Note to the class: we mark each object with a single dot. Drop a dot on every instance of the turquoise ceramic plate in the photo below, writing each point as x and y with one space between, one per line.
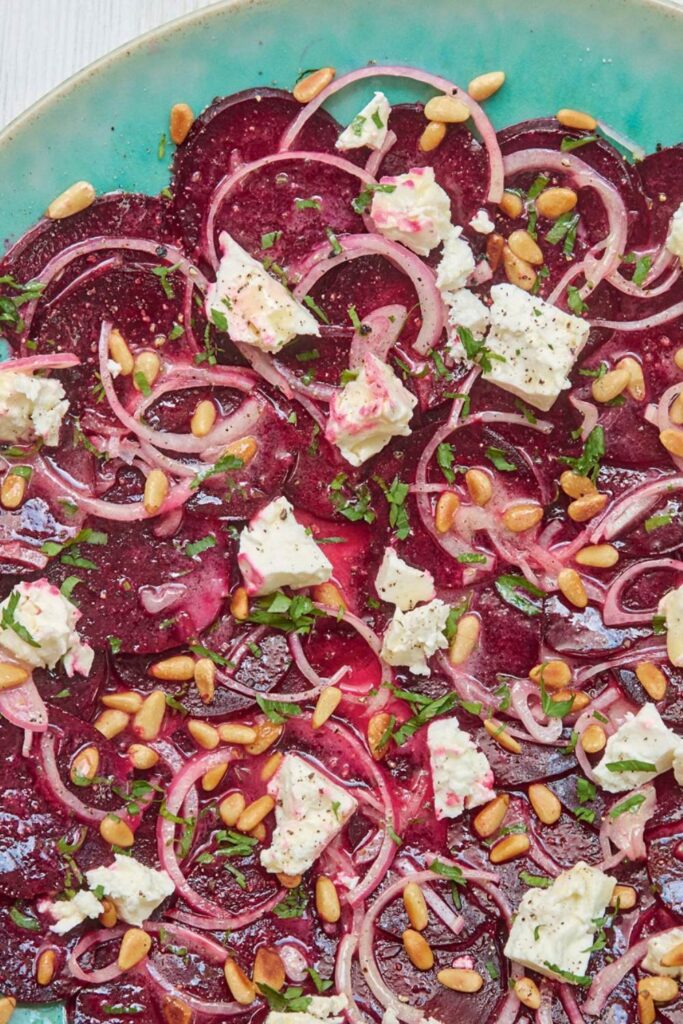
620 59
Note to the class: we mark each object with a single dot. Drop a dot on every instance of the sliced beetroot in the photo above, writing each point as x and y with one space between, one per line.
118 1002
22 939
665 866
661 174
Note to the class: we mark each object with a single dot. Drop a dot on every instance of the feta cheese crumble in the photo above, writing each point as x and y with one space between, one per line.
310 810
671 607
135 890
413 637
643 739
659 946
320 1008
456 264
31 407
369 411
537 343
462 777
401 584
465 309
70 913
556 926
252 306
369 127
38 626
276 551
417 212
674 239
482 223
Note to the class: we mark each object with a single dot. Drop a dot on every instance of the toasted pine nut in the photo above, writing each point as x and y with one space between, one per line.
271 766
327 899
204 735
329 595
661 988
149 719
676 410
678 358
213 778
553 202
13 490
109 916
156 491
511 205
652 679
598 556
610 385
488 820
517 271
110 723
142 757
7 1008
148 364
527 992
377 730
479 486
495 244
259 832
673 957
576 486
432 136
418 949
125 700
243 990
306 89
11 675
235 732
523 246
205 679
267 733
498 732
579 700
554 674
646 1008
239 604
672 441
483 86
624 896
593 738
45 968
636 384
447 110
579 119
446 508
255 812
203 418
524 516
460 979
85 764
269 969
508 848
180 122
328 702
465 639
175 1011
178 669
571 586
245 449
585 508
120 353
116 832
75 198
547 807
135 945
231 808
416 906
288 881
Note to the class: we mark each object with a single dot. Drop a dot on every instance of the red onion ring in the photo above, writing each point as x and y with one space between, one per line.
24 707
612 613
104 974
664 316
631 507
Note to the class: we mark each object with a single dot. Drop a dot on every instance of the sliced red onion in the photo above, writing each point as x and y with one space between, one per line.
49 361
521 691
342 977
157 599
544 1014
588 411
376 158
64 796
613 614
665 316
203 1007
627 287
454 922
631 507
386 324
194 941
22 554
24 707
626 832
307 670
231 923
606 980
568 1000
104 974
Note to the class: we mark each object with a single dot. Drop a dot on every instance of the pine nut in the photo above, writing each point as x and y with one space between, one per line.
205 679
149 719
553 202
624 896
673 957
267 733
230 809
127 700
571 586
418 949
116 832
488 820
135 945
579 119
179 669
242 990
11 675
460 979
156 491
175 1011
416 906
142 757
465 639
204 735
511 205
661 988
527 992
432 136
447 110
523 246
239 605
245 449
7 1008
676 410
479 486
598 556
576 486
593 738
148 364
483 86
672 441
579 700
652 680
235 732
446 508
497 732
306 89
120 353
583 509
111 723
75 198
522 517
547 807
85 764
180 122
203 418
255 812
327 704
636 383
288 881
377 730
269 969
45 968
554 674
646 1008
109 915
259 833
13 491
678 358
212 779
509 848
610 385
495 244
329 595
271 766
517 271
327 899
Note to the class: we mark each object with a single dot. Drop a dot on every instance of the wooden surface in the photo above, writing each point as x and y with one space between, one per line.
42 42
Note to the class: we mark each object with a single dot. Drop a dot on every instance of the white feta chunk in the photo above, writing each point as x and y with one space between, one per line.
465 309
70 913
671 607
369 411
482 223
674 239
413 637
276 551
401 584
456 263
310 810
135 890
369 127
254 308
554 928
537 343
321 1008
642 739
31 407
413 210
114 368
659 946
462 777
38 626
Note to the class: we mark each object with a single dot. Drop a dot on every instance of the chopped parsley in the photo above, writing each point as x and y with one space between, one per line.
535 881
396 494
195 547
163 274
356 508
630 765
268 240
225 464
629 804
588 463
497 457
308 204
568 144
509 587
477 351
290 614
429 710
642 267
363 200
277 711
23 921
576 979
657 521
293 905
574 300
9 621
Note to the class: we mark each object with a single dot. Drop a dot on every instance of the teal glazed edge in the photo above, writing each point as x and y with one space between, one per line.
619 59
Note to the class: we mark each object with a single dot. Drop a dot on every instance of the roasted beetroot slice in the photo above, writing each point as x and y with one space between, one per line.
127 999
661 174
665 866
23 936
